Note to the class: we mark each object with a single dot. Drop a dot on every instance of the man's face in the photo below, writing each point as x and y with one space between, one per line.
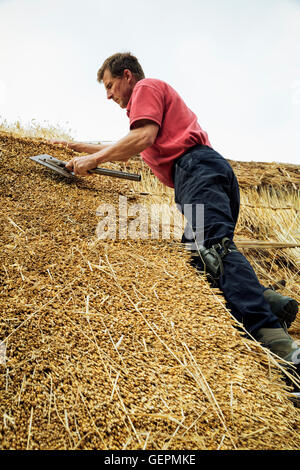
119 88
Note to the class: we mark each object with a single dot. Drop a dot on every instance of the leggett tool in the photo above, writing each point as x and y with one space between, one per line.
59 166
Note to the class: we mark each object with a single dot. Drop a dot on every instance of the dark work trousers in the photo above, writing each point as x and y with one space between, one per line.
204 177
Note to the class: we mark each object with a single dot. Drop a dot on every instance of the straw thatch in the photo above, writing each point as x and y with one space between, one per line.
120 344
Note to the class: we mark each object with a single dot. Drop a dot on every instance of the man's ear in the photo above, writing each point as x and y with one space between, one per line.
127 74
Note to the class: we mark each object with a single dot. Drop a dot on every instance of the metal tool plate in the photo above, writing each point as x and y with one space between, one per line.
59 166
54 164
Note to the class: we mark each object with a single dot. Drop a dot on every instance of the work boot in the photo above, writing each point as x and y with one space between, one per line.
281 344
285 308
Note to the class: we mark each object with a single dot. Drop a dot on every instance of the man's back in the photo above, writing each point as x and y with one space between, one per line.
157 101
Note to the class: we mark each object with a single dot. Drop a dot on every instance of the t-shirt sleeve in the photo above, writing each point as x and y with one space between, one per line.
147 103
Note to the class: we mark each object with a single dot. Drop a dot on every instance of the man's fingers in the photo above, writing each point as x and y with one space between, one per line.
74 165
79 166
70 165
59 142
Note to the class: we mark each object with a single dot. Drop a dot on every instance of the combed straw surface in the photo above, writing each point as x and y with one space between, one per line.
121 344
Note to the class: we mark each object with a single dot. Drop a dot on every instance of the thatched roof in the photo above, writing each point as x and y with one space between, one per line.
262 174
120 344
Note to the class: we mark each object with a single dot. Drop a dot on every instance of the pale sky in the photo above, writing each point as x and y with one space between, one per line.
236 63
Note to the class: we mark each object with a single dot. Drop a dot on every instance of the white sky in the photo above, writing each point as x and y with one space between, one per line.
235 62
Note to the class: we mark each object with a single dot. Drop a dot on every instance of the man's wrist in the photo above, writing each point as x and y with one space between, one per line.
98 157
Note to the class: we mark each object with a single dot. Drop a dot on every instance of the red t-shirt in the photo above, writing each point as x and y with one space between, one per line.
179 130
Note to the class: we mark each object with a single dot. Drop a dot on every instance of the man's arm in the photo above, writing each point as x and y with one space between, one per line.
143 135
80 147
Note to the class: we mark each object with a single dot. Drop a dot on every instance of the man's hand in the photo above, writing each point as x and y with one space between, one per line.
81 165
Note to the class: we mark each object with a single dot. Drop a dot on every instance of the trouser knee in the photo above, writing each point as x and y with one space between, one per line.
212 258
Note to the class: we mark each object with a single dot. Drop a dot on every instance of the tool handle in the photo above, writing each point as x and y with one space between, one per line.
114 173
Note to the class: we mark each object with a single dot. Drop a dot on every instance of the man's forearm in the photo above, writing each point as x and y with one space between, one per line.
83 147
134 143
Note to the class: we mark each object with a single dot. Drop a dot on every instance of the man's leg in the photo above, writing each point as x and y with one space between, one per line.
203 177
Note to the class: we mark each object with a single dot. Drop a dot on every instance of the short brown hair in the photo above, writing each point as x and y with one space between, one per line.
118 62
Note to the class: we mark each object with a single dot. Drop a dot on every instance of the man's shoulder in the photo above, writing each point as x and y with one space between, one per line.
152 83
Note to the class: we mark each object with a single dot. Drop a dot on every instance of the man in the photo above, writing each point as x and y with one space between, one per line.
170 140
